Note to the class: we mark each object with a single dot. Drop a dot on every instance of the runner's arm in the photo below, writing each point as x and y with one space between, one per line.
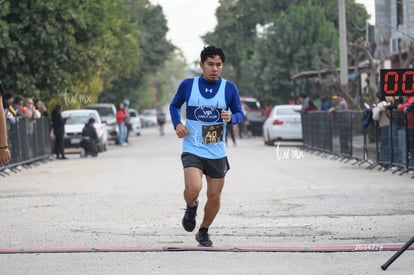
176 103
234 103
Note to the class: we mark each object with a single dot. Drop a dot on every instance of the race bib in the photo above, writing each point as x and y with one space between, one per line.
212 134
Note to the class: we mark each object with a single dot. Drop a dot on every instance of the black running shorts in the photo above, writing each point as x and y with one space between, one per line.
214 168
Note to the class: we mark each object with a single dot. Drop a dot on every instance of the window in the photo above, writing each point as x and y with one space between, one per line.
287 111
400 14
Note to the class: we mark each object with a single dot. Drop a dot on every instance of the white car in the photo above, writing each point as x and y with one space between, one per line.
135 122
283 123
107 111
75 123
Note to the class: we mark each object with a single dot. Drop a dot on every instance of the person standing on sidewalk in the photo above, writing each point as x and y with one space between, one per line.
58 123
208 98
120 120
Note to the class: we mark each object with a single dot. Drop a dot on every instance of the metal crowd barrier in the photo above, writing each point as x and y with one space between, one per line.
29 142
341 134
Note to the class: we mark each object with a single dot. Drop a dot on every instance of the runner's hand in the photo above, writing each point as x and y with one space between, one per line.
181 130
226 116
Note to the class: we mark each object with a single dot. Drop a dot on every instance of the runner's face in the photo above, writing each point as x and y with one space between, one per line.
212 68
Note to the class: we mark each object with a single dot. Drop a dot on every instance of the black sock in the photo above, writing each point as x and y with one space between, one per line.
195 205
203 229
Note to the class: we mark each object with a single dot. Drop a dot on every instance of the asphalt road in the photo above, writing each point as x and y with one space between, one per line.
284 211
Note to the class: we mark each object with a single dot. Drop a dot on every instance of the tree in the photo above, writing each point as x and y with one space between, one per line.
236 30
241 24
356 16
55 49
288 47
154 50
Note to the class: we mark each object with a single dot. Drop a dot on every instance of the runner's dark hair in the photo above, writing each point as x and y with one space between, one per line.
212 51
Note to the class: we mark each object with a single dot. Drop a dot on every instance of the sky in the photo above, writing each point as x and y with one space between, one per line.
188 20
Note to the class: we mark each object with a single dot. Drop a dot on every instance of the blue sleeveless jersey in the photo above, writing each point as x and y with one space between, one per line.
207 129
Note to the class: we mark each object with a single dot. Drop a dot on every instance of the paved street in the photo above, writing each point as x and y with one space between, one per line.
282 210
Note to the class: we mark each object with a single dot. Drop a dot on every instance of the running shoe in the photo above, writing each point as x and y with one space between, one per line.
203 238
189 219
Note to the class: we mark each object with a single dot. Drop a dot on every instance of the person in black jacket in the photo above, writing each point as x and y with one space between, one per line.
58 124
90 139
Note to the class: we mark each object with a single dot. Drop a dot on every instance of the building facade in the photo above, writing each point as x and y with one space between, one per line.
394 29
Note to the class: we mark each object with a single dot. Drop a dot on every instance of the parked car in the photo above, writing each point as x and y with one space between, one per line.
149 117
135 122
283 123
253 115
76 122
107 111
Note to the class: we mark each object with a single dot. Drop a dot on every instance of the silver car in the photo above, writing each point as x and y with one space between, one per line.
149 117
283 123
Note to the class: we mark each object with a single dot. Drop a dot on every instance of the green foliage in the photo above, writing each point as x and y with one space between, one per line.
290 46
76 52
154 50
267 41
71 50
356 16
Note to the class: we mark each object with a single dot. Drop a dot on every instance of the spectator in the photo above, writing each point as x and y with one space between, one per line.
31 114
324 104
31 111
128 126
345 129
397 127
406 107
120 120
307 104
41 107
382 114
340 104
58 124
9 99
266 111
18 105
89 139
10 111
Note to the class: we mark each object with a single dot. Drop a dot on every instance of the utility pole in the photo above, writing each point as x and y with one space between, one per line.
343 46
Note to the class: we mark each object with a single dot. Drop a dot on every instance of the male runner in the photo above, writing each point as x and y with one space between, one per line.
211 103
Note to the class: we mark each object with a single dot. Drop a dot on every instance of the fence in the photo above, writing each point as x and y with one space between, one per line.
341 134
29 142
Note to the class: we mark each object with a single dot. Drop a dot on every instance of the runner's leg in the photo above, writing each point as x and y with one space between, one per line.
193 184
214 188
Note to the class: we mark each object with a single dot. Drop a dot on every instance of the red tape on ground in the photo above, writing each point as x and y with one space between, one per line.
314 249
